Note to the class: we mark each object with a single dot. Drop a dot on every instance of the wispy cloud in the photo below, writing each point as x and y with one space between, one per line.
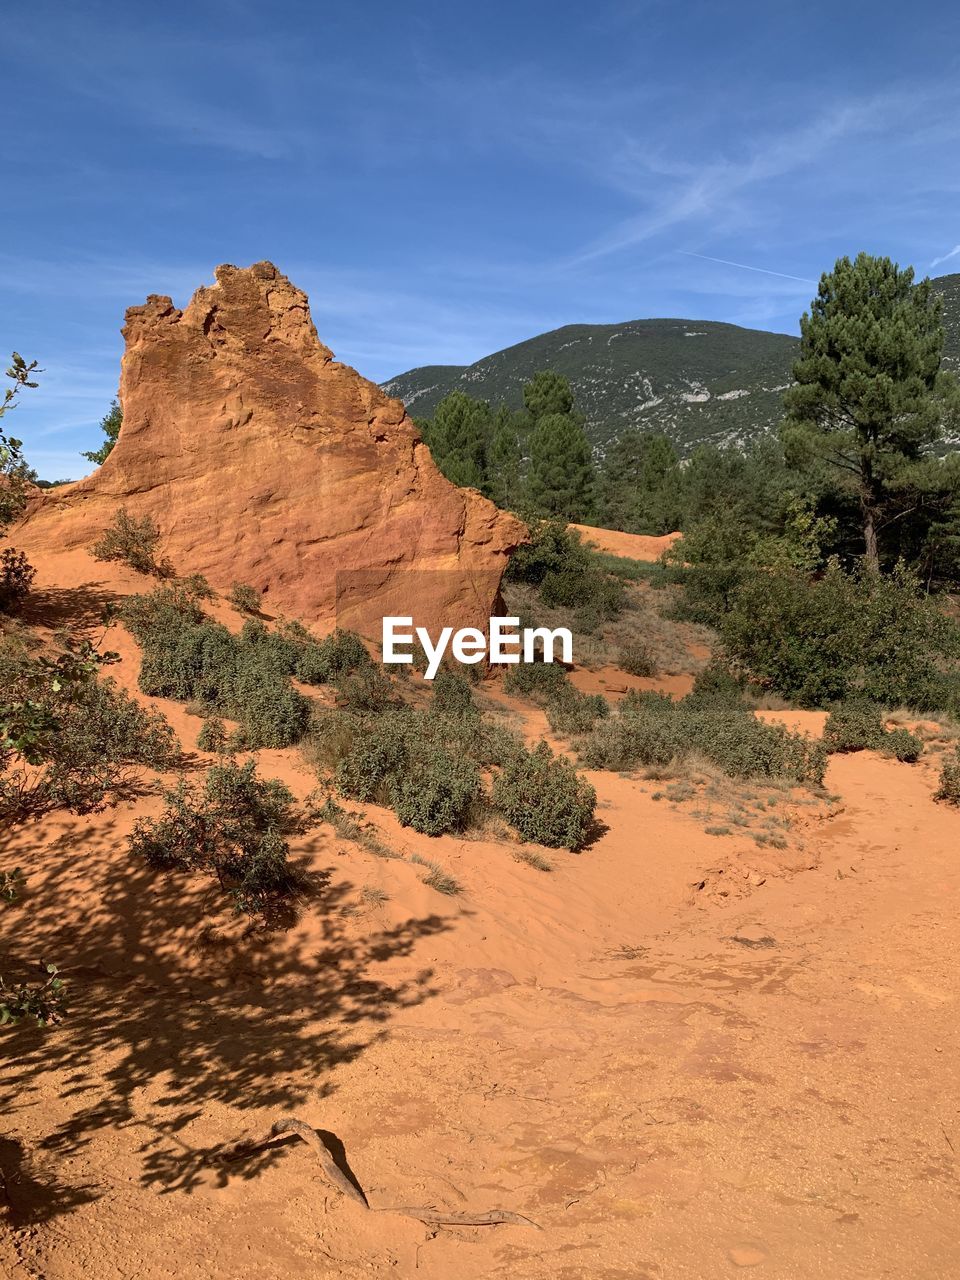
946 257
712 190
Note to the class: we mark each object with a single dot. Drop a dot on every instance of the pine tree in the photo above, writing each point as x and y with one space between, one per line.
642 484
547 392
505 460
562 478
110 425
459 437
870 398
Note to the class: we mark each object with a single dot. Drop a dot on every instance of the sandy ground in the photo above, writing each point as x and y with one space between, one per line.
632 546
682 1056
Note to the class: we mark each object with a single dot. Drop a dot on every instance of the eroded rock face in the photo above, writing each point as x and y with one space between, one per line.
264 460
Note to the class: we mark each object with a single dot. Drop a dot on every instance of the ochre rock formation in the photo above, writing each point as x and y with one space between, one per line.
263 460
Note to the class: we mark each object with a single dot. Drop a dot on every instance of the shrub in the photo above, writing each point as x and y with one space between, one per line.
645 732
234 827
134 542
42 1002
717 685
948 789
16 577
537 680
650 730
377 754
744 747
67 739
212 736
902 745
570 712
544 799
157 618
366 690
189 657
452 694
436 790
343 652
636 658
196 585
244 598
854 726
568 574
471 734
595 595
331 733
862 635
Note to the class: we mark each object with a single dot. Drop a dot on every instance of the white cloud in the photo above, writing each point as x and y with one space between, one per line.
947 256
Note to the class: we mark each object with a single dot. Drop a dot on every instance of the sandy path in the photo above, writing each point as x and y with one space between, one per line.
590 1047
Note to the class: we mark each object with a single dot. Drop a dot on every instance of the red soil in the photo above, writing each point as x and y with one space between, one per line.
681 1055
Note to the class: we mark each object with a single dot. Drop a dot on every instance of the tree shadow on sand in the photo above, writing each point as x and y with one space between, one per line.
83 608
176 1011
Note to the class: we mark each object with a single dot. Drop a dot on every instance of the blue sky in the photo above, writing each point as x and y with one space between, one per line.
445 179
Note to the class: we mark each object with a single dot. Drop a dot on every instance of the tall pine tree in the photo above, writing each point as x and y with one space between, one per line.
870 398
561 479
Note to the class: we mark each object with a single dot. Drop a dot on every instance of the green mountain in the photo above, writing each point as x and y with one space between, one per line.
694 381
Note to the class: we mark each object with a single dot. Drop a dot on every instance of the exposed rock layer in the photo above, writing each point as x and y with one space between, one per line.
264 460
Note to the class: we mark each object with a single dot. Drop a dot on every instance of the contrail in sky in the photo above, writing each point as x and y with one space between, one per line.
744 267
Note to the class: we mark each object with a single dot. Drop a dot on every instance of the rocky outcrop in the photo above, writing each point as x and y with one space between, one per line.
264 460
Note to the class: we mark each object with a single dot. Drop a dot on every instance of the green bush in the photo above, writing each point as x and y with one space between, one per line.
902 745
854 726
189 657
650 730
717 685
568 574
366 690
636 658
196 585
949 786
43 1003
537 680
67 739
744 747
436 790
644 733
235 827
377 755
571 712
343 652
212 736
544 799
452 694
244 598
864 635
133 542
16 578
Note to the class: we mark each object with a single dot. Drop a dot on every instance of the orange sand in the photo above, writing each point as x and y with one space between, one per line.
682 1055
632 546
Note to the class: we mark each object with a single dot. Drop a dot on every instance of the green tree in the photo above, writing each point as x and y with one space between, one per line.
870 397
547 392
642 484
505 459
14 473
459 437
561 481
110 425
